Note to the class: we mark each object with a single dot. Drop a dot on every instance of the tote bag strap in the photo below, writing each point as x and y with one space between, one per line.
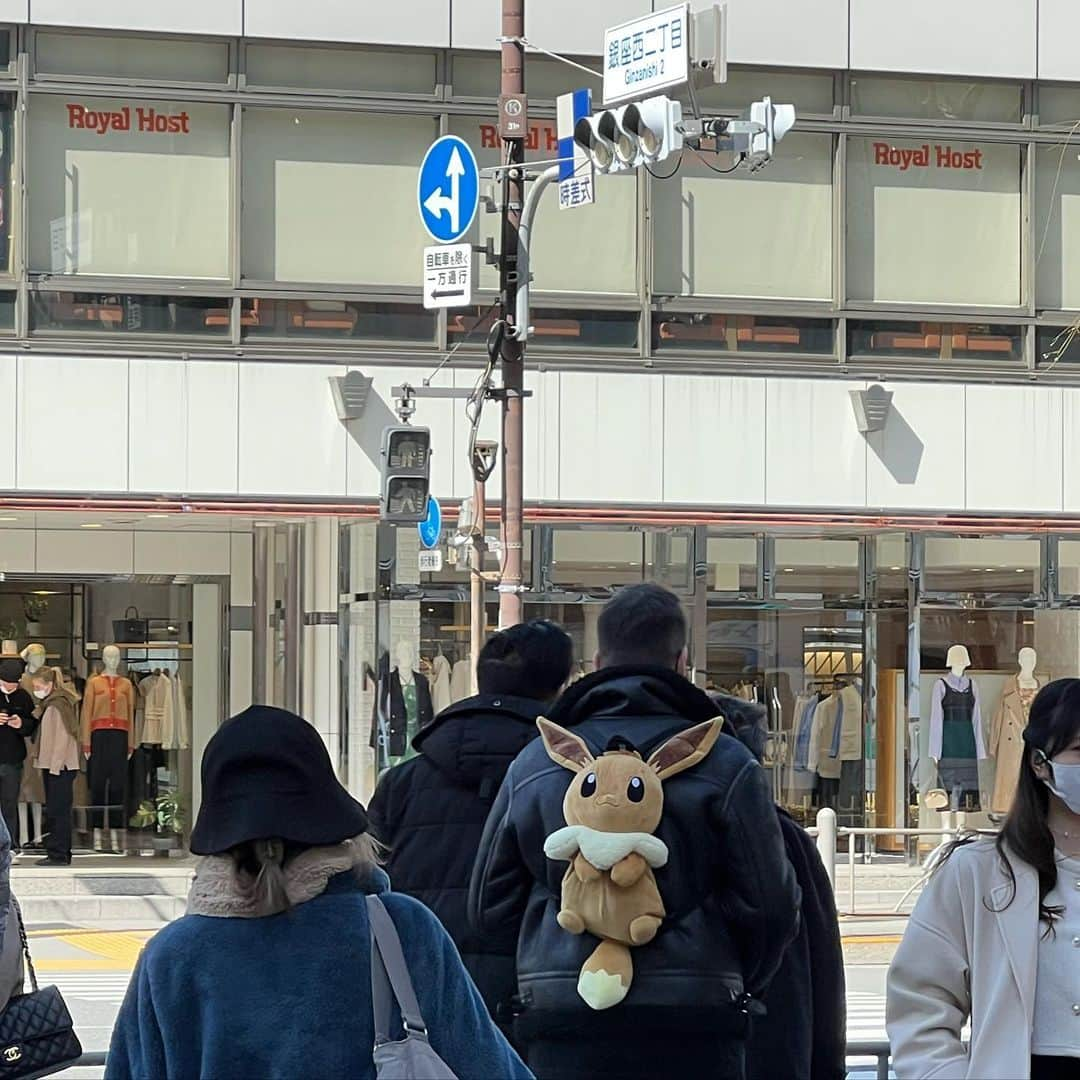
390 975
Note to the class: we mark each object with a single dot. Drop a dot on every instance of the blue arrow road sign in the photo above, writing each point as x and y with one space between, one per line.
430 529
448 189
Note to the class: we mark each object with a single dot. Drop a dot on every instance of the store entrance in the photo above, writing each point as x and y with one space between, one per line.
122 649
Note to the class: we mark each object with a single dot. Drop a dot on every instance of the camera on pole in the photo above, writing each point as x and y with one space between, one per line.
641 133
405 459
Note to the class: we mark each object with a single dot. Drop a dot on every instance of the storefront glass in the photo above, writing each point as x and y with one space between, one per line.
947 100
933 221
113 179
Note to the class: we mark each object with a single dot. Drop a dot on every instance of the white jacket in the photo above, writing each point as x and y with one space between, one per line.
966 954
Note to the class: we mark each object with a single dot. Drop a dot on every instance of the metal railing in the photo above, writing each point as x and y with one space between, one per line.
879 1051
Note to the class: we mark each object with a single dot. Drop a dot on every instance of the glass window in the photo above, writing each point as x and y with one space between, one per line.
7 311
587 249
331 197
7 182
891 562
146 59
982 565
1059 106
1057 226
128 186
6 52
1056 345
732 564
935 222
545 80
124 314
701 332
955 100
816 568
667 557
935 341
261 317
556 328
811 93
1068 571
597 558
361 70
763 234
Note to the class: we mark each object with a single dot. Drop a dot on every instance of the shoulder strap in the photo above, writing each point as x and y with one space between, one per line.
390 975
25 945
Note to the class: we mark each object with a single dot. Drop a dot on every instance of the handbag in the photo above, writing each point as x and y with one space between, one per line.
131 630
413 1057
37 1036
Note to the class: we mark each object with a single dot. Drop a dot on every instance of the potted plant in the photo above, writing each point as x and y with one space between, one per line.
166 814
34 608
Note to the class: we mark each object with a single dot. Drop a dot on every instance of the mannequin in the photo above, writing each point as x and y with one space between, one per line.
108 740
440 682
405 704
1007 730
956 738
32 792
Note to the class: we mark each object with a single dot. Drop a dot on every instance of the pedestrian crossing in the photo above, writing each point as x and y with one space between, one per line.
103 988
865 1016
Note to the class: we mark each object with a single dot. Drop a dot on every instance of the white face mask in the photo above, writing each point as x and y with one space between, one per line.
41 695
1065 784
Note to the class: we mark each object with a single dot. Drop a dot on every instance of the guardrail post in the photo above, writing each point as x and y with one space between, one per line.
826 841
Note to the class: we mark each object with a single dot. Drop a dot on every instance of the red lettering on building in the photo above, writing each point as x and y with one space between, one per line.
538 136
489 137
148 120
944 157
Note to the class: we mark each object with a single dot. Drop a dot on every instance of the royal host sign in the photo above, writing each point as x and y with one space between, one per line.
140 118
647 55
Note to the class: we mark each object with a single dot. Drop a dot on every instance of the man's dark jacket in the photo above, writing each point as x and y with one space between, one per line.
802 1036
729 891
430 812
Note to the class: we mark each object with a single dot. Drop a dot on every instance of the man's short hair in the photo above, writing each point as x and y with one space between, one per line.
642 624
530 660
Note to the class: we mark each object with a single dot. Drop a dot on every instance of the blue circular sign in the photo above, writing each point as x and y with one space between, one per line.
430 529
448 189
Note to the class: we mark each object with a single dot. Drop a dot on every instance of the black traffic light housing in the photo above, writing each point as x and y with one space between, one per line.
406 474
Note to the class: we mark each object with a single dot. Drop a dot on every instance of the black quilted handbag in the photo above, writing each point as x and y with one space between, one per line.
37 1036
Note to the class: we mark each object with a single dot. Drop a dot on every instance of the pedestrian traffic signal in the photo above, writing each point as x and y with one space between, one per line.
777 121
406 474
640 133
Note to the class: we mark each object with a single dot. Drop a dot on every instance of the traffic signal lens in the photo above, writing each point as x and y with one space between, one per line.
408 450
626 148
406 495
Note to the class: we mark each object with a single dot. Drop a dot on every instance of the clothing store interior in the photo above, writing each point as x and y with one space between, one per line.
896 668
122 651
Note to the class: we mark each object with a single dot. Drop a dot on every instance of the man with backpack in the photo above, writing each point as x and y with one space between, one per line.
430 811
729 896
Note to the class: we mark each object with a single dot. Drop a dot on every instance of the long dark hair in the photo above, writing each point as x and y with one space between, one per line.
1052 726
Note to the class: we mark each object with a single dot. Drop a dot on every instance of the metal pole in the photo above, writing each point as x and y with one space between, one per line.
477 612
826 841
513 351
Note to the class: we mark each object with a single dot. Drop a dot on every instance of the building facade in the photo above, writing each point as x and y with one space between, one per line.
207 212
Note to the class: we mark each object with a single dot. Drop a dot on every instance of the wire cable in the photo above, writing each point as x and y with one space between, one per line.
712 168
457 344
666 176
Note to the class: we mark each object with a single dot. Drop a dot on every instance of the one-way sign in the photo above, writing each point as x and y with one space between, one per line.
448 275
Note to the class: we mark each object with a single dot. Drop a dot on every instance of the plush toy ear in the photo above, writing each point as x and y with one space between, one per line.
564 747
685 749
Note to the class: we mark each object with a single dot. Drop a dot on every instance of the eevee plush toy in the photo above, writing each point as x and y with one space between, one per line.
612 807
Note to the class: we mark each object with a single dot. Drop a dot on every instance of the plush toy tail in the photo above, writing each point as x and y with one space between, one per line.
605 977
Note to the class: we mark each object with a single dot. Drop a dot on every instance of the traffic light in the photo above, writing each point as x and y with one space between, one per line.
777 120
406 474
625 137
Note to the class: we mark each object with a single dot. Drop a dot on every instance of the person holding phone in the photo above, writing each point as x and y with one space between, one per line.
17 724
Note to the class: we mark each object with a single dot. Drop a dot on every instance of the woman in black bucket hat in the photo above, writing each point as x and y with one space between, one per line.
269 972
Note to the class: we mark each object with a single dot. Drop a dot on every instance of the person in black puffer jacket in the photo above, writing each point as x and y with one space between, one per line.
17 724
430 811
802 1035
729 891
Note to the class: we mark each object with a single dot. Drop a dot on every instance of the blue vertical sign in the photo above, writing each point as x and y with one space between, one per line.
577 180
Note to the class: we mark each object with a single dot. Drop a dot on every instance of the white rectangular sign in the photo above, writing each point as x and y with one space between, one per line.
448 276
430 561
647 55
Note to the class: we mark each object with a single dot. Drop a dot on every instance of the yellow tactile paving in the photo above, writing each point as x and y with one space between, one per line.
46 967
121 948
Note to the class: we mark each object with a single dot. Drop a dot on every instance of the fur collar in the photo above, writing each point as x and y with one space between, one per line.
604 849
221 891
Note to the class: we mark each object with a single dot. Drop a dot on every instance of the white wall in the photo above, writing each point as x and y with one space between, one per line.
265 429
223 17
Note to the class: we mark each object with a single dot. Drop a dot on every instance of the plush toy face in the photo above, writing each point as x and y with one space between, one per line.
617 793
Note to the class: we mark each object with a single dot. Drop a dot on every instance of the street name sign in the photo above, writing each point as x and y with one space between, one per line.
448 189
646 55
448 276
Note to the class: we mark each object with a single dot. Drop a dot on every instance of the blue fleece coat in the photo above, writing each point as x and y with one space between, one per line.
289 996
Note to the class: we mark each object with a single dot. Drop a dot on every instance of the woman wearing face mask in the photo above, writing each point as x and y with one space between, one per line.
58 759
995 938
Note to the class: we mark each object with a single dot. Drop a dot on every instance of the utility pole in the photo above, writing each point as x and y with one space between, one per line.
513 358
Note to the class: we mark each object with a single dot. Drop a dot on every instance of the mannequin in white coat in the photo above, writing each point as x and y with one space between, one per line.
32 794
1027 659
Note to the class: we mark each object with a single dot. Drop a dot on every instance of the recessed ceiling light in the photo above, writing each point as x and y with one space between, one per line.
90 525
894 567
789 570
158 515
1021 570
9 519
